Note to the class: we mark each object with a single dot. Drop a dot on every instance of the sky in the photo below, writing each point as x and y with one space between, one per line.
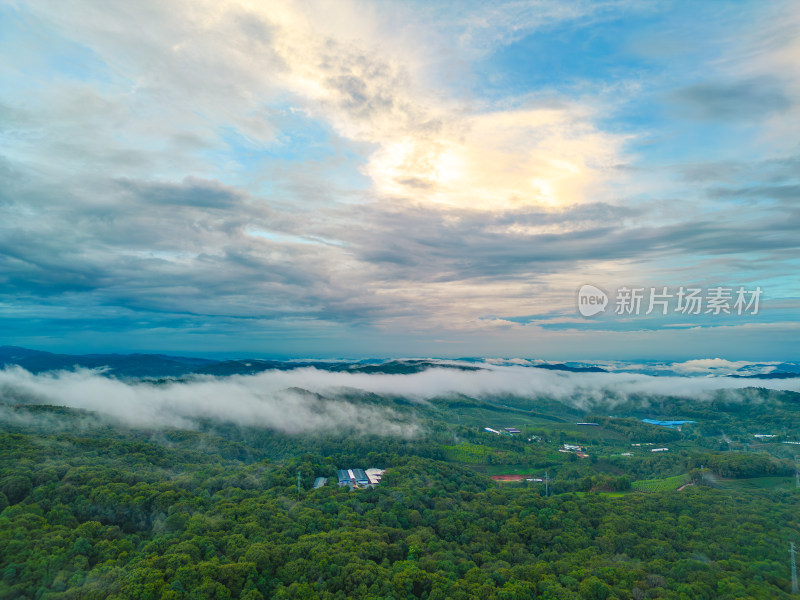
345 179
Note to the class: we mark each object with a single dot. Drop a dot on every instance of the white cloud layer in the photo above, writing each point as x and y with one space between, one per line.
291 401
709 366
260 401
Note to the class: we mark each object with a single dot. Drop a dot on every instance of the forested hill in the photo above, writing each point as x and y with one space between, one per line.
498 482
140 365
94 511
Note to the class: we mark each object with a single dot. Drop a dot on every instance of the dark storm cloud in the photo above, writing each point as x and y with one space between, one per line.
192 191
776 171
770 181
781 193
747 100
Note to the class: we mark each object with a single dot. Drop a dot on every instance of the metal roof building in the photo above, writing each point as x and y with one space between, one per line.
320 481
360 477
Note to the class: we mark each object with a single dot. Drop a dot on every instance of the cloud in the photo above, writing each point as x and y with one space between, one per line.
498 380
135 214
776 180
231 59
192 191
198 247
260 401
506 159
709 366
308 400
748 100
777 170
751 80
483 27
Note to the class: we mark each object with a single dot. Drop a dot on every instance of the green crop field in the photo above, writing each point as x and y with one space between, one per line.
660 485
469 453
508 470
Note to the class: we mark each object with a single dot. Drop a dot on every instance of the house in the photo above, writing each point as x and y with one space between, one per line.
320 481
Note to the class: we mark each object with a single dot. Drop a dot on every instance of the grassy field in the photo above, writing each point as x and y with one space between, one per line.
470 453
498 417
510 470
660 485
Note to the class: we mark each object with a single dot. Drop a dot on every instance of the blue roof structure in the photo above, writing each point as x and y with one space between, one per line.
361 477
670 424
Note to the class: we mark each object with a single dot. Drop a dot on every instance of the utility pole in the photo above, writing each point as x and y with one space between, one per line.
298 483
546 485
797 471
794 568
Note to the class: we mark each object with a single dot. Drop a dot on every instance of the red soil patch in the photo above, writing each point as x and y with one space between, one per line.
509 477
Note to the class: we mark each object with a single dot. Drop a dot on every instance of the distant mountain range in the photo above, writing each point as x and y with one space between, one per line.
161 365
127 365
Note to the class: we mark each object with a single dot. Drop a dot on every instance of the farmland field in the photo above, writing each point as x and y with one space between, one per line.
660 485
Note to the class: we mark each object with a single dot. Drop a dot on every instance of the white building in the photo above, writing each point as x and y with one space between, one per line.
375 475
